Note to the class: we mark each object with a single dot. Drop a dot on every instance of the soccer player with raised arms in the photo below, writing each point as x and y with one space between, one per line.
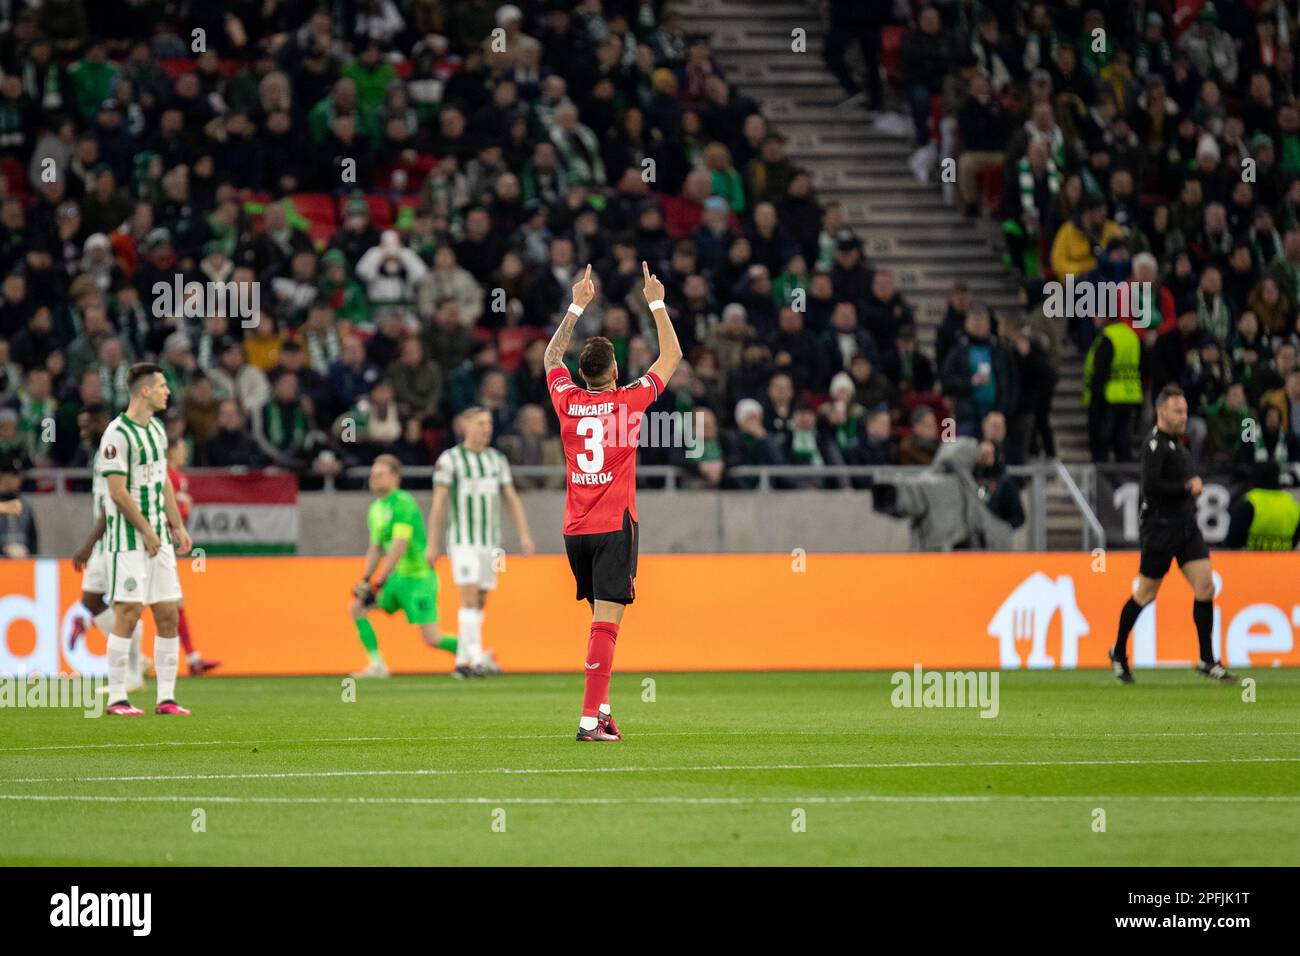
600 426
143 534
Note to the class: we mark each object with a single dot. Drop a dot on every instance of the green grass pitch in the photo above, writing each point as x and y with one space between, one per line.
426 770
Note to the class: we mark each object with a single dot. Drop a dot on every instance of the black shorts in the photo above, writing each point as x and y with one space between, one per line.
1161 544
604 565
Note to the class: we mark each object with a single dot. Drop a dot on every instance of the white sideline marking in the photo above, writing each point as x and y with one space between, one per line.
710 768
583 801
865 732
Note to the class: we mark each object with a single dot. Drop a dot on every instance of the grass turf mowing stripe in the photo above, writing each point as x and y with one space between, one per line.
865 732
922 798
711 768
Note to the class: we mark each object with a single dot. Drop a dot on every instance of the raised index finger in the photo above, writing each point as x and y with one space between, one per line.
587 277
645 270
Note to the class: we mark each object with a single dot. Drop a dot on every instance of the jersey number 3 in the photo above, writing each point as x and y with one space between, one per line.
592 458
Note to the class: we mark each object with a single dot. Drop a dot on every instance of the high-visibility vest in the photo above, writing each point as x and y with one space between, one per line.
1276 516
1124 387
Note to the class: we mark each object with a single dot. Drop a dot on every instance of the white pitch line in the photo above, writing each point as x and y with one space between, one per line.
866 732
708 768
613 801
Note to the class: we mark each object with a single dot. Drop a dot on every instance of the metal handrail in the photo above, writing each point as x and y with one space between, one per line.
1091 523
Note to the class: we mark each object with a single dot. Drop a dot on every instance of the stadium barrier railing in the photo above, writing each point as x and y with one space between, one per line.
1038 480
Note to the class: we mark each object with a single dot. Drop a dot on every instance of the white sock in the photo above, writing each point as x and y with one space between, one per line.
604 710
469 647
119 649
104 620
166 659
83 612
587 723
134 662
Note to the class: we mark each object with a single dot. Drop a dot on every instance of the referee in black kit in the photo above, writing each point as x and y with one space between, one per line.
1167 529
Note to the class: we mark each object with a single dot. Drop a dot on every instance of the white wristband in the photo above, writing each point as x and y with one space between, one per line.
575 308
657 304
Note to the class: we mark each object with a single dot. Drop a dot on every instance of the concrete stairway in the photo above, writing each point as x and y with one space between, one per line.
905 225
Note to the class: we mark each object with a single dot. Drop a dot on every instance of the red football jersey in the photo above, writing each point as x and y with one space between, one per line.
600 431
181 486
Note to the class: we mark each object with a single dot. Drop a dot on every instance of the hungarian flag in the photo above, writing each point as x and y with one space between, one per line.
256 513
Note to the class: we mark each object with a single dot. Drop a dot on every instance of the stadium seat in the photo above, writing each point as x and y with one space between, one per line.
381 210
176 67
318 210
15 176
511 344
932 400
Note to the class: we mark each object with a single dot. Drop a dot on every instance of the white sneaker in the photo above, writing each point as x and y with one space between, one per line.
374 670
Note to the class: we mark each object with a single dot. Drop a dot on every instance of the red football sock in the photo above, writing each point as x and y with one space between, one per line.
183 629
600 662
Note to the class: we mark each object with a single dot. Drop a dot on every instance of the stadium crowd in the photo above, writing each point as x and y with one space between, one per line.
411 186
1153 145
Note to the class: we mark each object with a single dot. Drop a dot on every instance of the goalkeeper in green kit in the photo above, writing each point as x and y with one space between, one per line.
405 581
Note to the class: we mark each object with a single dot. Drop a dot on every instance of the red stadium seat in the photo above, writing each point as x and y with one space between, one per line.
315 207
511 344
176 67
932 400
318 210
15 177
381 211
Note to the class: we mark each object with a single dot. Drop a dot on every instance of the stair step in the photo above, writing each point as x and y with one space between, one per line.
905 225
783 10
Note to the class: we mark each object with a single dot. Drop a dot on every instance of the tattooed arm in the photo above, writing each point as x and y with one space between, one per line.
583 292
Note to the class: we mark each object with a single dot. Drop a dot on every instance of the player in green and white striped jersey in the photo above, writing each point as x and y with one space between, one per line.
143 534
91 559
472 481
